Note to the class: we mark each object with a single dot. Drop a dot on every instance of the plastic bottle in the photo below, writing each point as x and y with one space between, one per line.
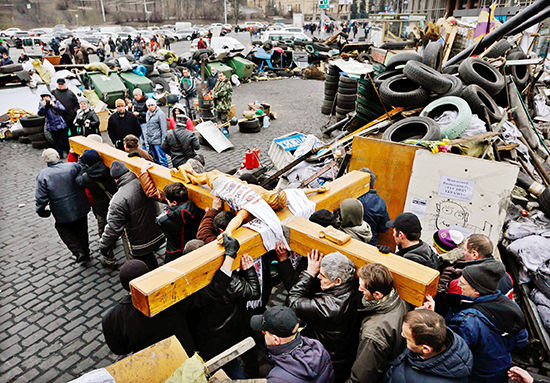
225 132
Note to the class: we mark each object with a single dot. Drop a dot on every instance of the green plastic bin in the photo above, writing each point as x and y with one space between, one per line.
108 88
221 67
134 81
242 67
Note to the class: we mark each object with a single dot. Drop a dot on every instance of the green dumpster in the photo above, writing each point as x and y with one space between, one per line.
108 88
242 67
134 81
221 67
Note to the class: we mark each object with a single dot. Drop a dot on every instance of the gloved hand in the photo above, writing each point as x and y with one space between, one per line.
44 213
384 249
231 246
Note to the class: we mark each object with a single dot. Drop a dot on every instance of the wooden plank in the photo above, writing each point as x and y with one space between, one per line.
449 43
412 280
392 163
228 355
154 364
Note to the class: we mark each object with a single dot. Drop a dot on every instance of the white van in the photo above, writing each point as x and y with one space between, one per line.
111 29
183 25
284 35
33 47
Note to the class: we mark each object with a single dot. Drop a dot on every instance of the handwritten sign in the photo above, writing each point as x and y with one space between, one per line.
456 188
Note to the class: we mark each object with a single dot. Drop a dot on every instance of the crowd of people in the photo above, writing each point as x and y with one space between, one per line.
333 327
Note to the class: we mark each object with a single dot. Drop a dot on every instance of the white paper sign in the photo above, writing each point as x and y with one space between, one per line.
418 207
456 188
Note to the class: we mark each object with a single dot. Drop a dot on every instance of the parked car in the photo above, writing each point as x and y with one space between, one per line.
169 27
227 28
285 36
187 34
9 32
62 33
82 29
37 32
128 29
60 26
294 29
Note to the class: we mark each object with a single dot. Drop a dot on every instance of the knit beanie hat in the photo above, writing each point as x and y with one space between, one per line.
485 276
131 269
120 102
118 168
324 218
447 239
151 101
351 211
90 157
83 99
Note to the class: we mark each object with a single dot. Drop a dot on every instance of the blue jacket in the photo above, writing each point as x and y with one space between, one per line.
375 214
454 364
302 360
56 185
53 114
492 325
156 127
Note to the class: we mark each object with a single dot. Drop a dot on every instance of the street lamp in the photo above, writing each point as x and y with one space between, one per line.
76 19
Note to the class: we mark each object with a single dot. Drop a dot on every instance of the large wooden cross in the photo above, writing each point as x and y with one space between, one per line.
170 283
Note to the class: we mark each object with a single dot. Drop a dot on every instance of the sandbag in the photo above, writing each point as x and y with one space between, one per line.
100 67
542 279
92 96
42 71
532 251
124 64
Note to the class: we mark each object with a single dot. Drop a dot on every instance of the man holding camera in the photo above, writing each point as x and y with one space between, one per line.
53 110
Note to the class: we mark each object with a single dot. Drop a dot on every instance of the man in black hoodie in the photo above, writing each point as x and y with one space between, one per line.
95 177
68 99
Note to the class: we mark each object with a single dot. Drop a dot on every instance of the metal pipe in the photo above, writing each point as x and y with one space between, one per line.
497 33
529 23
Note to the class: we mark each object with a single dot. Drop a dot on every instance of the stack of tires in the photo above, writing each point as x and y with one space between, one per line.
331 87
34 132
469 88
346 97
369 106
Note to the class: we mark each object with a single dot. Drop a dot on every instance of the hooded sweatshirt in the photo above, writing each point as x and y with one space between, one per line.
454 364
302 360
351 211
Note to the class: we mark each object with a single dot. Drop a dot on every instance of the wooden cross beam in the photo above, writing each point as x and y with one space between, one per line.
167 285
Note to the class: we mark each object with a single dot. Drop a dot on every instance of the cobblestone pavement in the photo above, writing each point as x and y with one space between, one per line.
50 306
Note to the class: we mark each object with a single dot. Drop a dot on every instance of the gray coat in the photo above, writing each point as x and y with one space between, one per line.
380 340
56 185
156 127
131 210
180 144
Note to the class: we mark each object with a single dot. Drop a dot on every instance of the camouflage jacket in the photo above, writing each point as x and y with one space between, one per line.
222 94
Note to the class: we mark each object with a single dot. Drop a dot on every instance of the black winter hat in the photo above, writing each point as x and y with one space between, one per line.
278 320
90 157
484 277
131 269
324 218
118 168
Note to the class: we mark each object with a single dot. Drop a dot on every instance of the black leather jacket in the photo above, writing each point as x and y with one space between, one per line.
331 315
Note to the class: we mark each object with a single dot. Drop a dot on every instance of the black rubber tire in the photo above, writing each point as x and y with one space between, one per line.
333 70
462 121
37 137
31 121
345 85
162 81
427 77
331 85
329 97
346 105
250 126
363 57
347 80
321 47
347 90
326 111
520 73
24 140
340 116
33 130
456 88
10 68
433 55
420 128
400 59
544 201
474 70
400 91
480 101
451 69
332 78
499 49
378 80
41 144
330 92
327 104
347 97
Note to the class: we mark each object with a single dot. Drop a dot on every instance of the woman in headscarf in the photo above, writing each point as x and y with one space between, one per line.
351 212
178 110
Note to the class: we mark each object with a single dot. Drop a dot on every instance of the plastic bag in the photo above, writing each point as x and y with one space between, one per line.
532 251
477 126
124 64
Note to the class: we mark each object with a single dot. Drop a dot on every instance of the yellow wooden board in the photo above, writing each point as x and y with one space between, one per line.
392 163
154 364
412 280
